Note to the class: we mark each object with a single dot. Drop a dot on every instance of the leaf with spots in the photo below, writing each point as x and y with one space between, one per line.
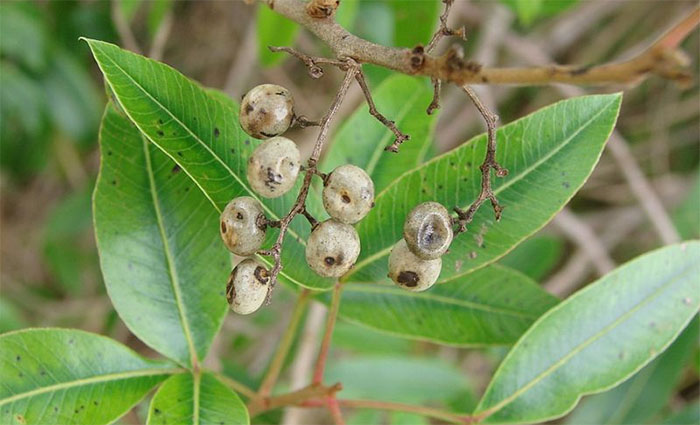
492 306
361 139
597 338
62 376
200 132
549 154
163 262
198 400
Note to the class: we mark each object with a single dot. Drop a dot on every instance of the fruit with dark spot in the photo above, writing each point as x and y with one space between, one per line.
348 194
274 166
428 230
332 248
266 111
247 286
242 226
411 272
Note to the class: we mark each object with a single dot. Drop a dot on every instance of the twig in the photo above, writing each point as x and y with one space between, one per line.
662 59
391 125
334 408
283 348
444 30
326 343
299 205
237 386
294 398
401 407
465 217
435 103
311 62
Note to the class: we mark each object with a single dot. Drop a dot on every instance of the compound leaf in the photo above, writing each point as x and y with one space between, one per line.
597 338
62 376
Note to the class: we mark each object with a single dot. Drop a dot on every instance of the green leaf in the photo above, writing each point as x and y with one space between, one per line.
61 376
689 415
201 134
536 257
686 216
549 154
22 35
361 139
597 338
416 21
273 29
398 379
641 398
346 13
199 400
492 306
163 263
157 11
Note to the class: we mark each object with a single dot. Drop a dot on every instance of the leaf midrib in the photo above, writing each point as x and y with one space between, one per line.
577 349
507 184
92 380
439 298
172 272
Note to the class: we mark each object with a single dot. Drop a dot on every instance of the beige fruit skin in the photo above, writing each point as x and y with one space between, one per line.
332 248
239 226
428 230
266 111
348 194
247 286
273 167
411 272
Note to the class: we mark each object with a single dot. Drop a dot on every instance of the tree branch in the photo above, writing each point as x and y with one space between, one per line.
326 343
661 59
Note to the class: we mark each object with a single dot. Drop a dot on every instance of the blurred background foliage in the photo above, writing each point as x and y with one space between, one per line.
51 100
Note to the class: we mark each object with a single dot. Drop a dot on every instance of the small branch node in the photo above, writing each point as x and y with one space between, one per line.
435 103
322 9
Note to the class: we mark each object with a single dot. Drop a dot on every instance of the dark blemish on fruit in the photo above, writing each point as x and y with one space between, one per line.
223 227
329 261
267 134
248 108
345 198
408 278
230 290
372 206
263 111
160 133
179 154
280 93
216 132
239 216
261 275
176 169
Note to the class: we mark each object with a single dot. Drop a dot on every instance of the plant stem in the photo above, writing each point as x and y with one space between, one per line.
326 343
283 349
334 408
293 398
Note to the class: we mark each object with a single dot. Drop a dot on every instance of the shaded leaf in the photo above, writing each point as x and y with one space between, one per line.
361 139
549 154
202 400
415 21
597 338
200 132
492 306
61 376
163 263
399 379
535 257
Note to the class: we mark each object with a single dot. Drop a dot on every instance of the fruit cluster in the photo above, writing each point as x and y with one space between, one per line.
267 111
